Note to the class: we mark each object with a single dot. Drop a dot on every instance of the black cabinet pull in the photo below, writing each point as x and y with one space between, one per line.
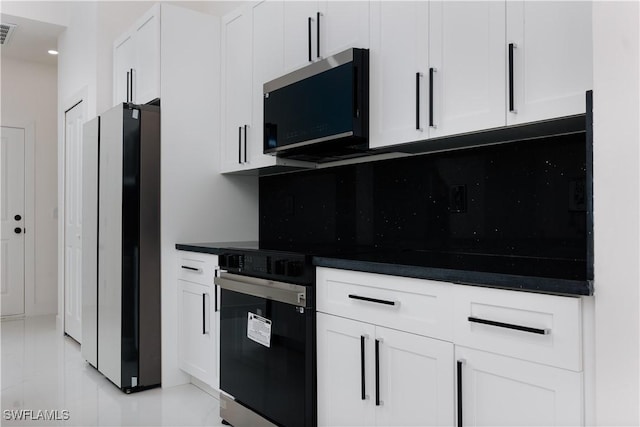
127 86
362 368
376 300
17 230
240 144
215 293
131 77
511 102
309 37
459 380
377 372
204 308
418 100
17 217
431 71
318 33
510 326
186 267
245 143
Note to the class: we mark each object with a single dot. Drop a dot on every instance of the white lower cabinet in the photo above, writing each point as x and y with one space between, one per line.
502 391
198 318
370 375
412 352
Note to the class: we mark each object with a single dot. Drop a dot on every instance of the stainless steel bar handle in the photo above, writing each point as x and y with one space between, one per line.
240 144
287 293
459 364
431 77
245 143
127 86
309 38
363 391
529 329
377 369
512 108
375 300
418 76
205 314
131 77
318 34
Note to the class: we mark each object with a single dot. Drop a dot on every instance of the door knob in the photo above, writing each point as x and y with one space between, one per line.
17 217
17 230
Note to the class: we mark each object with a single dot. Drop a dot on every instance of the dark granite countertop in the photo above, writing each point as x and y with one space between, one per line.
557 276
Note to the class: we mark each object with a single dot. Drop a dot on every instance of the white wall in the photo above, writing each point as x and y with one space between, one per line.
29 98
616 94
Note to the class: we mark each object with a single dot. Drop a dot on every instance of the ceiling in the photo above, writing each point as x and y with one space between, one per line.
31 40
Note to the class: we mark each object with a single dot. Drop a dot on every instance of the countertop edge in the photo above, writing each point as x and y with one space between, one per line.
464 277
545 285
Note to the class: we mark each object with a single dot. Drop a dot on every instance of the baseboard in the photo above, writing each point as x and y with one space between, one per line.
206 388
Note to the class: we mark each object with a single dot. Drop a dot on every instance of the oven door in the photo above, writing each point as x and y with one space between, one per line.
267 350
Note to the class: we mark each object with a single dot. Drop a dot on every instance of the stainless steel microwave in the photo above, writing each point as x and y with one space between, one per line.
320 112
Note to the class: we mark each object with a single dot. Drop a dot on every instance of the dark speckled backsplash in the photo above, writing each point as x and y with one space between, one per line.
522 200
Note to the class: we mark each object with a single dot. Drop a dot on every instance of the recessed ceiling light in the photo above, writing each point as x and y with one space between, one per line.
53 52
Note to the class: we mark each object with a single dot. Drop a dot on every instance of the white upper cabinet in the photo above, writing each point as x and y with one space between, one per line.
124 53
552 58
398 72
466 61
300 33
315 30
146 76
343 25
236 88
136 61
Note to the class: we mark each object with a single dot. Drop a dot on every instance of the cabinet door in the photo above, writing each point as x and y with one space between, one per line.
197 332
124 54
268 63
340 358
502 391
552 58
398 72
467 53
236 87
416 380
343 25
146 73
300 44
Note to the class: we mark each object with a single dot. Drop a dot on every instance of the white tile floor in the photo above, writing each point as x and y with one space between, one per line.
42 370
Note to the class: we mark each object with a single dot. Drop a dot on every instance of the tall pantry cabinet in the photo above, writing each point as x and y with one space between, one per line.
191 186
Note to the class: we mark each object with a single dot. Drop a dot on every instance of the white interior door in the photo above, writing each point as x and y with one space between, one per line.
12 213
73 223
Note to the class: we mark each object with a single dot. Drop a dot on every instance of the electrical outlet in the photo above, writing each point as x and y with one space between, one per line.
577 196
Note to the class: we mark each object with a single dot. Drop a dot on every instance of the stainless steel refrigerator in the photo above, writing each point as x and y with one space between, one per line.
121 245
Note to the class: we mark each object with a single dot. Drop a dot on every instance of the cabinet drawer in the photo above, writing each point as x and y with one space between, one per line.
545 329
419 306
197 267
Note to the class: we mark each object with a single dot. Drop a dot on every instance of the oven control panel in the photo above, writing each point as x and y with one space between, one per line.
273 265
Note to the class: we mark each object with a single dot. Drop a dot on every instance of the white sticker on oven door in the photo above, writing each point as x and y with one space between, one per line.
259 329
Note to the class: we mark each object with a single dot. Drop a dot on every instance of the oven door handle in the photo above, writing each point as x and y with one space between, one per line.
287 293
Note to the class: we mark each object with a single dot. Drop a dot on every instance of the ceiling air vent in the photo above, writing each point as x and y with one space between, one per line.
6 30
